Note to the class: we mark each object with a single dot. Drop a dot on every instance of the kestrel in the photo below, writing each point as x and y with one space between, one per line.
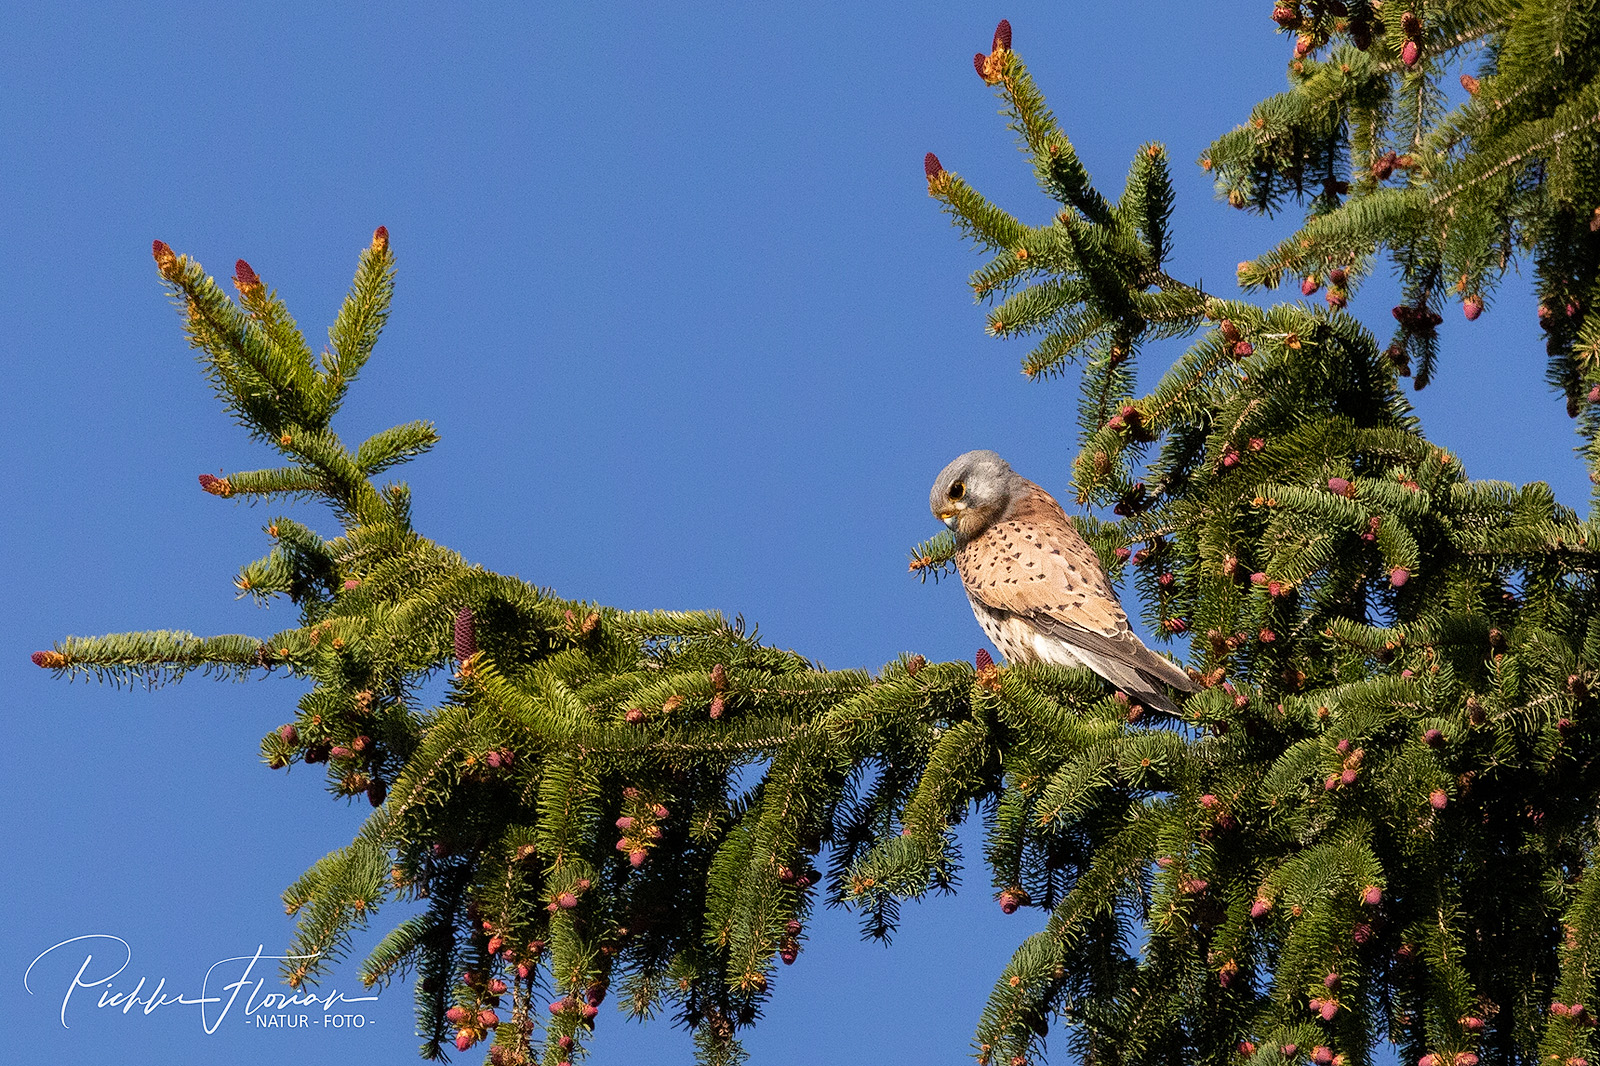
1038 590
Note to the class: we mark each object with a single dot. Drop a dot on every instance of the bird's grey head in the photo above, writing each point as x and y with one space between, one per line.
972 492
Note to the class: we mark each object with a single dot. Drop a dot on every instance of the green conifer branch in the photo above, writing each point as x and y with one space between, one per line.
151 658
361 318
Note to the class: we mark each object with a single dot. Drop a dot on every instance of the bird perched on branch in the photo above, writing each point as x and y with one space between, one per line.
1038 590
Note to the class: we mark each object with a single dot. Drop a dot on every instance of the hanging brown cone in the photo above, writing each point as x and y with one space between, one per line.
465 636
376 791
1411 25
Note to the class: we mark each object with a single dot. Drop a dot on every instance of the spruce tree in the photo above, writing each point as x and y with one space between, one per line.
1375 821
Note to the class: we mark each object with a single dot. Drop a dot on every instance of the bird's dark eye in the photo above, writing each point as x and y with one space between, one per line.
958 490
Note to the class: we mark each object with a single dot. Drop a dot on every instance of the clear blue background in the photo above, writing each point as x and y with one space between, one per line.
694 335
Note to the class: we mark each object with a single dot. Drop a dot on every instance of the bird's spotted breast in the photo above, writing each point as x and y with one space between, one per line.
1040 592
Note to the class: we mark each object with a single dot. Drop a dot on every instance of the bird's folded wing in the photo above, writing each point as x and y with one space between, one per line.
1121 646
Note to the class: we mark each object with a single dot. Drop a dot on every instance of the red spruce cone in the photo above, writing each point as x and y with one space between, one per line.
931 165
245 279
466 640
380 239
166 262
1011 899
217 486
1002 36
1410 53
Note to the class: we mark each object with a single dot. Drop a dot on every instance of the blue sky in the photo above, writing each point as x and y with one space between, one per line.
694 337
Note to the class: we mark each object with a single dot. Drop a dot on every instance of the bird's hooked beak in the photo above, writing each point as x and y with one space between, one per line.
950 515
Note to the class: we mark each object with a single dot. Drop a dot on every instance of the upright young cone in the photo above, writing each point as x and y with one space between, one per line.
465 637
